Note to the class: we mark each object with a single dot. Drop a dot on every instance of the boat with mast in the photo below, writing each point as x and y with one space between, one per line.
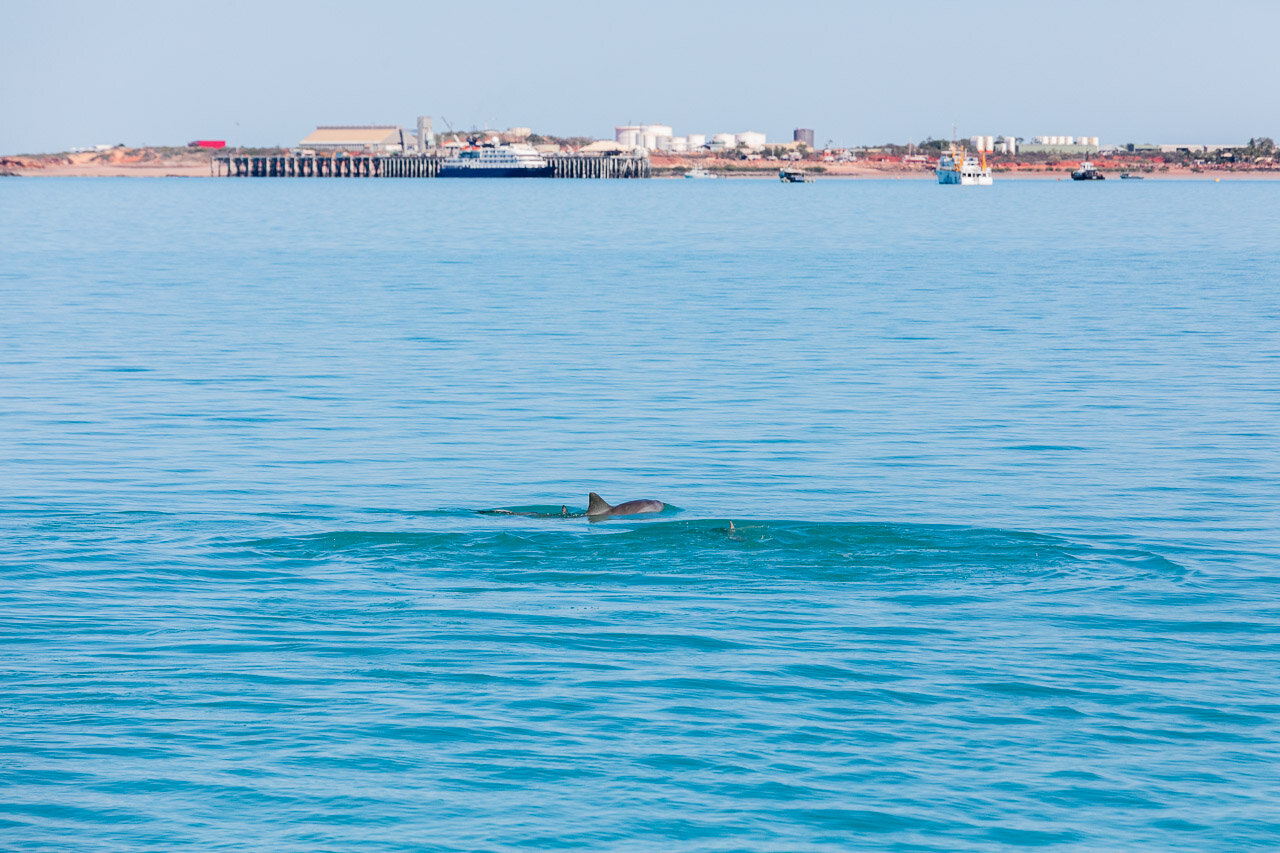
958 167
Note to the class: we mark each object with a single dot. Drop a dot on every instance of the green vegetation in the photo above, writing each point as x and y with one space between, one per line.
1259 148
751 167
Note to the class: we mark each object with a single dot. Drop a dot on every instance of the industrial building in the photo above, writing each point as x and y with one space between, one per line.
642 135
660 137
989 144
381 138
803 134
723 141
1065 145
602 148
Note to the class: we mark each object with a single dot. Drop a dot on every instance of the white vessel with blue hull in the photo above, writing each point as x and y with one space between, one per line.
518 160
959 168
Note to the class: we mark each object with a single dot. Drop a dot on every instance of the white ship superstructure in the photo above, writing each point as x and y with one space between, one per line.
964 169
517 160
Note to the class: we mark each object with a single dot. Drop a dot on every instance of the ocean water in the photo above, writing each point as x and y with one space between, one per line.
973 537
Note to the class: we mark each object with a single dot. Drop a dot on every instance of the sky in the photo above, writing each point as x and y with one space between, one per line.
264 73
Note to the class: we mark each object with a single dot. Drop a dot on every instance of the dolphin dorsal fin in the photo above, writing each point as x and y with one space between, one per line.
597 505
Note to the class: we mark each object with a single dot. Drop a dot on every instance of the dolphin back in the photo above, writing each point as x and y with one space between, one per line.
638 508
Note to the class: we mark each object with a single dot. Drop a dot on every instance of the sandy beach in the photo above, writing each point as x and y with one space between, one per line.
117 162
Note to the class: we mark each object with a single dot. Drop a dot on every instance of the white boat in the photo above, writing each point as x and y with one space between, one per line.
698 174
964 169
495 160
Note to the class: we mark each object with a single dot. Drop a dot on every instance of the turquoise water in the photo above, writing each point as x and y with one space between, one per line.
972 543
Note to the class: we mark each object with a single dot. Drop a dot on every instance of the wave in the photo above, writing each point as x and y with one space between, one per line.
534 541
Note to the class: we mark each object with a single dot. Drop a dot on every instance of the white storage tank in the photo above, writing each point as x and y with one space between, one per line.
697 140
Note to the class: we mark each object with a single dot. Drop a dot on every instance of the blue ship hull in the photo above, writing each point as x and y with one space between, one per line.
513 172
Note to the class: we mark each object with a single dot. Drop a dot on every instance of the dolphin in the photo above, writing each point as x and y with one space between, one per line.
597 507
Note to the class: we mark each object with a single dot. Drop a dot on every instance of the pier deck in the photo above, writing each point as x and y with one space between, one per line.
391 166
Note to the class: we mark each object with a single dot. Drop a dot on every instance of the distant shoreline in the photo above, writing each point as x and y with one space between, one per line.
196 163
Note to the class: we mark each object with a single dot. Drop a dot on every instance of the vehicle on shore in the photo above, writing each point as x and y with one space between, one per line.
957 167
1087 172
496 160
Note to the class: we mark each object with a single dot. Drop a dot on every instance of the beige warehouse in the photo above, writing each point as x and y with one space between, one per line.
378 138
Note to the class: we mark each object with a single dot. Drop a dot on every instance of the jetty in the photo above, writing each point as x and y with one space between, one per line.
408 166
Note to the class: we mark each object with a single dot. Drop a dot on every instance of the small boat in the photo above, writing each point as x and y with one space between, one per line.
1087 172
698 174
793 175
1129 176
957 168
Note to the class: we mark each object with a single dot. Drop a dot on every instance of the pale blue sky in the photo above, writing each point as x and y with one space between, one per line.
263 73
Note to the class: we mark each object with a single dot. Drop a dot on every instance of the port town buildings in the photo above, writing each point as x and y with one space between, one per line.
661 137
632 139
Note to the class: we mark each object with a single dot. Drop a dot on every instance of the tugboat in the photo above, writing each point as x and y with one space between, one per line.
957 168
793 175
1087 172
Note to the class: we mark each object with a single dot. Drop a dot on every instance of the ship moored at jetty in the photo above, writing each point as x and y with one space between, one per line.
957 167
492 159
417 165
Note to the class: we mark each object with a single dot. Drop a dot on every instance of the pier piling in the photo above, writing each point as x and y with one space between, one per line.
408 166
